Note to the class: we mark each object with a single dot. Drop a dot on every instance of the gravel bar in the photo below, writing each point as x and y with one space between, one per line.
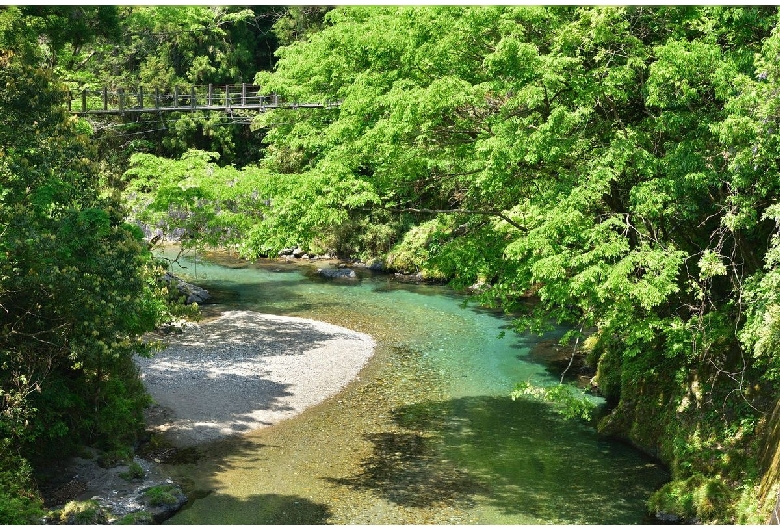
247 370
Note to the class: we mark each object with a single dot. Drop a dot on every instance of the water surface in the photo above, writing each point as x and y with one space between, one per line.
426 435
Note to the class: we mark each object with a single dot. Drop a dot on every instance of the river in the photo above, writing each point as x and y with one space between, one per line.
426 435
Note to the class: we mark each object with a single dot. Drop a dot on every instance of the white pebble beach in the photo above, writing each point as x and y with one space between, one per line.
247 370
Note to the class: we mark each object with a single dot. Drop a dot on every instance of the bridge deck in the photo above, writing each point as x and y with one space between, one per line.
225 98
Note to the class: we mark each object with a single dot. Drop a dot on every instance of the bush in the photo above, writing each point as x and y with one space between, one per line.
19 500
114 457
696 498
412 254
19 510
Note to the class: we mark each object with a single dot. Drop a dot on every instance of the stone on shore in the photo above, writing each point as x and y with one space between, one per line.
193 294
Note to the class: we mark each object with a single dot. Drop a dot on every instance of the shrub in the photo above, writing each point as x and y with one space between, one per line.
696 498
412 254
114 457
19 510
19 500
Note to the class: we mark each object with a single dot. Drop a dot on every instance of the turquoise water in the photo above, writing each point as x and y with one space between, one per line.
428 435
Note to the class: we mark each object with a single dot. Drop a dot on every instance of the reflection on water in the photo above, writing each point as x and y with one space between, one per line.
427 435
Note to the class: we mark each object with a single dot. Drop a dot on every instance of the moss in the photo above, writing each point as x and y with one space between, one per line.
749 507
412 255
141 517
162 495
115 457
134 472
607 376
697 498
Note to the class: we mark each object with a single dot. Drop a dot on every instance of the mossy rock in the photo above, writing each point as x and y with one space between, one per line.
411 254
114 457
695 499
134 472
83 512
142 517
162 495
163 501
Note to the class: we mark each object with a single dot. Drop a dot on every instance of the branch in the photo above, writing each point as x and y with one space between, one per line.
493 213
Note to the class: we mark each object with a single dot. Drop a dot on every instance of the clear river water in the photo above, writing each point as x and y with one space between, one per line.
426 435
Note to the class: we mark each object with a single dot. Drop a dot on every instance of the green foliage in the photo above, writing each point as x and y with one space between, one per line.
162 47
570 402
114 457
15 509
165 45
252 210
134 472
83 513
413 254
209 204
297 22
20 503
77 288
617 163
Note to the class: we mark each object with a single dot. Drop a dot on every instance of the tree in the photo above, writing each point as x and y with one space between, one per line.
609 161
162 47
77 284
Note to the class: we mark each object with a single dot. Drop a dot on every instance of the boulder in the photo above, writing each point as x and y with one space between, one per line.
163 501
337 274
408 278
192 293
377 266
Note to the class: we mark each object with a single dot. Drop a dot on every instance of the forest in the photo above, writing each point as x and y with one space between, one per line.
619 167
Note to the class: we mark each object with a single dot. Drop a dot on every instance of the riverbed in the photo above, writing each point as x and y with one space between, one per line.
426 433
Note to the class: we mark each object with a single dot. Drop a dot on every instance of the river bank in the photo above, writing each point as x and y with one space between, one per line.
426 435
235 372
245 370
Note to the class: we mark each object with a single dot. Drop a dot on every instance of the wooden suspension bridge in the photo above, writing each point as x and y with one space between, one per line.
219 98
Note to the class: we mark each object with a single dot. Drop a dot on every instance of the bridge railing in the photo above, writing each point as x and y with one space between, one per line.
195 97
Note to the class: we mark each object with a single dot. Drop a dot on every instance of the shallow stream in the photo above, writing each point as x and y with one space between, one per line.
426 435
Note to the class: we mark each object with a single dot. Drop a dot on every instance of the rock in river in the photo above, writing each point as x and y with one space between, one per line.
338 274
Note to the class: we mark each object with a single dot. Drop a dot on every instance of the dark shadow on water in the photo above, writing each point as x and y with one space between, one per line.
268 509
517 456
277 297
209 506
406 469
